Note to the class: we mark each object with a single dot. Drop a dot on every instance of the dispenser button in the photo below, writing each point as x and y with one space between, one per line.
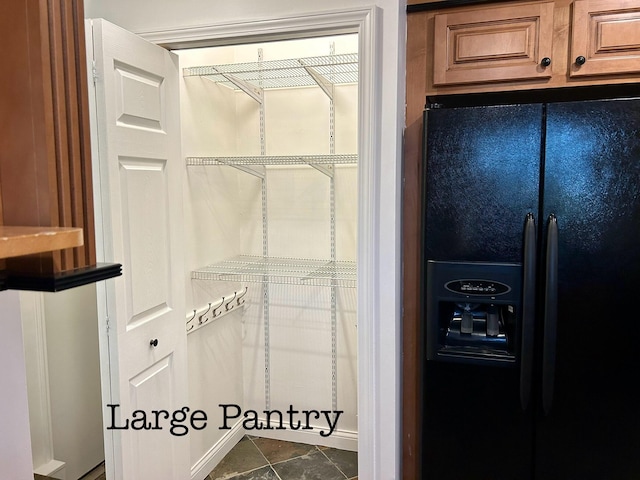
466 325
493 325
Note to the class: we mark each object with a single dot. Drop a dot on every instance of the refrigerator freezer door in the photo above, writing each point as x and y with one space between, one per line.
482 171
592 177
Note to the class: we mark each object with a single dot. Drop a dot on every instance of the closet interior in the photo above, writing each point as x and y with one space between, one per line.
269 138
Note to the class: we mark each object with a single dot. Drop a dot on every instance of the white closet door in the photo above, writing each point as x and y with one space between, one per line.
137 111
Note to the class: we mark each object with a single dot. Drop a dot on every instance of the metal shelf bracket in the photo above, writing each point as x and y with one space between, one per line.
326 86
254 92
326 169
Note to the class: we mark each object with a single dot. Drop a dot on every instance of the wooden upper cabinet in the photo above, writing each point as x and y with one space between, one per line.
493 44
605 37
527 45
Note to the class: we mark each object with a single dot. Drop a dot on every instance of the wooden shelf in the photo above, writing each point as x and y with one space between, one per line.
16 241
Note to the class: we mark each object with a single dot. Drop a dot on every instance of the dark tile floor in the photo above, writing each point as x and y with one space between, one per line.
255 458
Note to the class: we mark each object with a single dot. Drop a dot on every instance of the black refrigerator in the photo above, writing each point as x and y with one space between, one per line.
531 291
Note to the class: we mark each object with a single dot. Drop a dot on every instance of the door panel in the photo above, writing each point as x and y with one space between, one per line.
493 44
137 110
591 184
482 178
606 33
154 385
474 428
139 98
144 184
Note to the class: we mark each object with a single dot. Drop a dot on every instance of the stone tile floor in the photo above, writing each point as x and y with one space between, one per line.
255 458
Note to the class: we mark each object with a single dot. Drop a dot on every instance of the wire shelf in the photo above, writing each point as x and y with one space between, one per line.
275 160
289 271
337 69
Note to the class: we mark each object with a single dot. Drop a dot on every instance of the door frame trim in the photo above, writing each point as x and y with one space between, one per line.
366 22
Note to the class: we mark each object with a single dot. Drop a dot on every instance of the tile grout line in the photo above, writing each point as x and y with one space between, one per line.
237 474
333 463
288 459
231 476
265 457
271 465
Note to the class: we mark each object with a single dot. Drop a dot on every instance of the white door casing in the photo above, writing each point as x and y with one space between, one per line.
366 22
378 342
138 174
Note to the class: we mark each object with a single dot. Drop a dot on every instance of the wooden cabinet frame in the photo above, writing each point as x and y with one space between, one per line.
45 165
411 238
605 32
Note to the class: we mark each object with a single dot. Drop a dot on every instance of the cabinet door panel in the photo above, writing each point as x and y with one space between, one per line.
493 44
607 34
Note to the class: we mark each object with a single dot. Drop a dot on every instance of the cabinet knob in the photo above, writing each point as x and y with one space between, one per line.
154 342
545 62
580 60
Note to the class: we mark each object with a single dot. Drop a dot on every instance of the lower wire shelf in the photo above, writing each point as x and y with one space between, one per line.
281 270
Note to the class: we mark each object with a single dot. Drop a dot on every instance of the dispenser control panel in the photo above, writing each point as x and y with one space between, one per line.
477 287
473 312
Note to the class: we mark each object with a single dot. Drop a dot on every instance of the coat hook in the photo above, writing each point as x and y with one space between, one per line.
201 322
238 302
190 328
226 305
191 319
218 306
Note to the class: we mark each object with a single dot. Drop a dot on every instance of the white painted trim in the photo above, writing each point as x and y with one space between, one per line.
216 453
54 469
104 289
35 346
15 441
342 439
35 351
263 30
367 23
368 243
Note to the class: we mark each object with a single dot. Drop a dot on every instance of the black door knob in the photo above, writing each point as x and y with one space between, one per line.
545 62
154 342
580 60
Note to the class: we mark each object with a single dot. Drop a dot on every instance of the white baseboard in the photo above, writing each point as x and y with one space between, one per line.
341 439
53 469
209 460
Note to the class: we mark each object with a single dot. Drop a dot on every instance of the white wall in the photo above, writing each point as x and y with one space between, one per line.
74 378
153 15
223 219
63 380
15 440
213 232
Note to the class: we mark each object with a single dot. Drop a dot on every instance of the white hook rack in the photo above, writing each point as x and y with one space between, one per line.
214 310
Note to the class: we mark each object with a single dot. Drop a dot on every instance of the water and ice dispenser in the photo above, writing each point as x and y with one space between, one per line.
473 311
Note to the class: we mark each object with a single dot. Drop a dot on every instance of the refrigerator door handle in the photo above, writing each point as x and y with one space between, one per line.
528 309
550 316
